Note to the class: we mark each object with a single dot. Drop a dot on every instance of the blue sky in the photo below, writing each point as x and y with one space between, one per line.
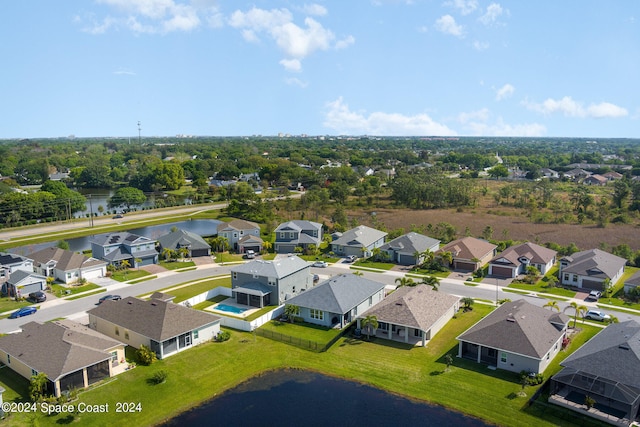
336 67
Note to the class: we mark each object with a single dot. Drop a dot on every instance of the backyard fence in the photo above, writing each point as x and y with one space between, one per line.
300 342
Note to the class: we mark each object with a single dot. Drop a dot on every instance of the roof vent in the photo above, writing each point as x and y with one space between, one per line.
399 303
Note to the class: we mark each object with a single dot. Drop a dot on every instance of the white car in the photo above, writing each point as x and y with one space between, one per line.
596 315
319 264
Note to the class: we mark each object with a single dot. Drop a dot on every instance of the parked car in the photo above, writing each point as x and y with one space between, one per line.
594 295
38 296
118 216
319 264
109 297
24 311
596 315
250 254
352 258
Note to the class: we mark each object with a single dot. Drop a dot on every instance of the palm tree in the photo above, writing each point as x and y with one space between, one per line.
446 257
369 324
432 281
405 281
427 256
552 305
291 311
577 311
467 302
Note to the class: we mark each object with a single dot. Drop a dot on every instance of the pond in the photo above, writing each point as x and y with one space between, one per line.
97 197
202 227
301 398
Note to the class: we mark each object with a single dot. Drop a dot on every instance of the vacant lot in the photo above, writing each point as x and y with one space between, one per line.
516 225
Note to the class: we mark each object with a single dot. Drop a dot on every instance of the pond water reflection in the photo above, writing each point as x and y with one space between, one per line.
300 398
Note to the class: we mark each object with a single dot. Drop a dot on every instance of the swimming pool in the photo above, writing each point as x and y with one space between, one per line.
230 308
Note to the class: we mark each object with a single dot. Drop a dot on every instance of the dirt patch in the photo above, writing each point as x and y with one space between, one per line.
508 227
153 268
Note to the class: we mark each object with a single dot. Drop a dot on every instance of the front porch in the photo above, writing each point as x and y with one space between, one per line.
402 334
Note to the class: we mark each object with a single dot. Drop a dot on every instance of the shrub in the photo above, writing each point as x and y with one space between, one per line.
159 377
223 336
145 355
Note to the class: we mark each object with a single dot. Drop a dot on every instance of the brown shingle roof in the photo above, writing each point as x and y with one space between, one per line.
534 253
468 248
65 260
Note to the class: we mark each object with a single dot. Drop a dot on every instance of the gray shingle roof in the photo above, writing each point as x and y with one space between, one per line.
517 327
338 294
416 307
361 236
410 243
155 319
614 353
278 268
534 253
20 275
183 238
299 225
57 348
237 224
634 280
119 238
11 259
595 263
65 260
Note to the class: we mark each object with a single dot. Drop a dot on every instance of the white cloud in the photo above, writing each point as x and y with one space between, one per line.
465 7
571 108
296 82
503 129
482 115
291 65
505 92
154 16
314 9
480 46
295 41
494 11
124 73
447 24
344 121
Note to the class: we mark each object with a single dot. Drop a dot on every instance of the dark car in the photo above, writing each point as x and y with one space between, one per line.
38 296
118 216
109 297
24 311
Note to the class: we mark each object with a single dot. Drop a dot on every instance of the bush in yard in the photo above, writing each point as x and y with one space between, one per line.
159 377
223 336
145 355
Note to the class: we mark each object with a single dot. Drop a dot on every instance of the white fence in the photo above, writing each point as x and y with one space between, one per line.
232 322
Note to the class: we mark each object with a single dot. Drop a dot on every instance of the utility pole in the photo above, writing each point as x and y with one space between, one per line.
90 211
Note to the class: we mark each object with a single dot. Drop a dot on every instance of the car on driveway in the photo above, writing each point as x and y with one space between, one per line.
594 295
24 311
351 258
38 296
319 264
596 315
109 297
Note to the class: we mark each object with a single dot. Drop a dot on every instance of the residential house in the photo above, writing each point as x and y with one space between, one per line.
517 336
179 240
413 314
576 174
612 175
607 369
67 266
591 269
595 179
115 248
241 235
410 248
11 262
469 253
21 283
164 327
71 355
514 260
359 241
338 301
260 283
632 282
549 173
297 233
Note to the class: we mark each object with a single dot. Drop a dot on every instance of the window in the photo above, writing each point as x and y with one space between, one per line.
282 234
195 334
316 314
566 277
292 235
293 289
114 356
8 359
575 278
126 335
417 333
34 372
503 357
117 331
370 301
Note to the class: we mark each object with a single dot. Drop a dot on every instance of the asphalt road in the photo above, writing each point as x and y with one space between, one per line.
76 309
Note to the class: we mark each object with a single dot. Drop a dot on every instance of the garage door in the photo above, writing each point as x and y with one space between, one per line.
501 271
406 260
465 266
281 249
590 284
27 289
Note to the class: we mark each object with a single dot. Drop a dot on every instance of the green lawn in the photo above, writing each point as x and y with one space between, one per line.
176 265
222 257
10 304
305 331
61 290
373 264
544 289
414 372
126 275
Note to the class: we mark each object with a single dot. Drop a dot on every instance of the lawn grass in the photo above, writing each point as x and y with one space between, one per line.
99 291
374 264
10 304
61 290
304 331
185 292
176 265
543 288
126 275
222 257
415 372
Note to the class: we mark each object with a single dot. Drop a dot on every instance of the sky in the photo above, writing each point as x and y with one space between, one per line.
97 68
